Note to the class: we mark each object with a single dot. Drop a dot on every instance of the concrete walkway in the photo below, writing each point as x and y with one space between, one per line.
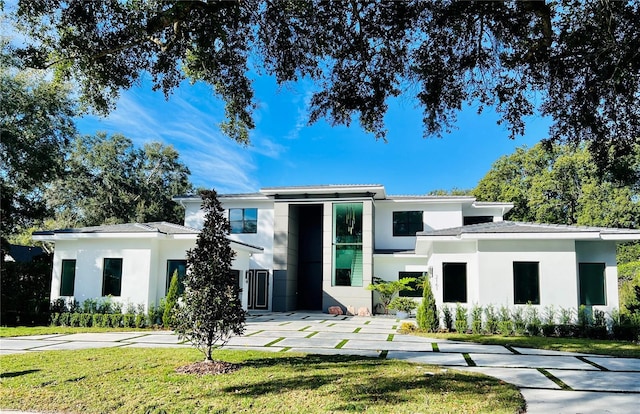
550 381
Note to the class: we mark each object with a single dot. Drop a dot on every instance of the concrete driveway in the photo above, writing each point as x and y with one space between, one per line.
550 381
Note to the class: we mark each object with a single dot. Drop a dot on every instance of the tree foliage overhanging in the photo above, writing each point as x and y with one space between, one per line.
575 61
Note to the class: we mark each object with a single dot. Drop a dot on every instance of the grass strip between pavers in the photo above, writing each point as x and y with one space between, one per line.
284 323
305 328
311 334
390 338
434 347
367 322
600 367
255 333
394 327
275 341
285 349
341 344
356 330
383 354
555 379
470 361
512 350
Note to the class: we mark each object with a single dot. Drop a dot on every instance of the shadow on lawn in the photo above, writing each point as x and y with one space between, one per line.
314 371
17 373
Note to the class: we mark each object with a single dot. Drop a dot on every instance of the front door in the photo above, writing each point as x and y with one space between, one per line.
258 289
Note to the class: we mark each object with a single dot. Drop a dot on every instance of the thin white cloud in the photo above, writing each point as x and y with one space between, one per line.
191 127
266 147
303 102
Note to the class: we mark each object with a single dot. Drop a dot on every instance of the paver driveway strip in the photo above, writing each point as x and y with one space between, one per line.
538 373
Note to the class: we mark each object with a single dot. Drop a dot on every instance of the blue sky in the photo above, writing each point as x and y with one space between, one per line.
285 151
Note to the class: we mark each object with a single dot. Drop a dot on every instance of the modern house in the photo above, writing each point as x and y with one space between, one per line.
312 247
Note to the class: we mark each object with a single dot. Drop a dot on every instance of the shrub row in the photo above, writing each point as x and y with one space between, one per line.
583 322
105 314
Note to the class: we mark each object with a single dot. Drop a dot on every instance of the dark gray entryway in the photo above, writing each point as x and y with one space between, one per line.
309 257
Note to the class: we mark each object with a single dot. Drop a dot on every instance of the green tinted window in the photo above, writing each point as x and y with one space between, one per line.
454 284
68 277
526 283
112 277
592 285
347 244
179 266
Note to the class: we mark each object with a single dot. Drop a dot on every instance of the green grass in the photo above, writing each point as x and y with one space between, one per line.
134 380
582 345
49 330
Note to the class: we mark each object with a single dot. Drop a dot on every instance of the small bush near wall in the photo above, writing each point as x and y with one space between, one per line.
461 319
447 318
129 320
491 320
532 321
519 324
505 326
476 319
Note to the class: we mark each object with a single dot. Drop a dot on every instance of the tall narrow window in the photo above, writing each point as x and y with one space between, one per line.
235 274
454 282
179 266
526 283
407 223
68 278
592 284
347 244
243 220
112 277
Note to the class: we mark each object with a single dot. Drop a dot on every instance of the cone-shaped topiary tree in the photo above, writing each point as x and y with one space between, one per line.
172 298
427 315
210 311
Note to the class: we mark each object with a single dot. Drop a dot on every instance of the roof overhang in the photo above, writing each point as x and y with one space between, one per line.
245 247
325 192
67 236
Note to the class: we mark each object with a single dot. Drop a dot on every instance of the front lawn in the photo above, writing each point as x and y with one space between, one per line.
583 345
144 380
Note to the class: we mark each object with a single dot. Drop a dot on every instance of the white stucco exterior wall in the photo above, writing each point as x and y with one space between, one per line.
557 270
144 267
435 216
455 252
136 267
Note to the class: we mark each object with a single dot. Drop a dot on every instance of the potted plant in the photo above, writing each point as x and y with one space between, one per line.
403 306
